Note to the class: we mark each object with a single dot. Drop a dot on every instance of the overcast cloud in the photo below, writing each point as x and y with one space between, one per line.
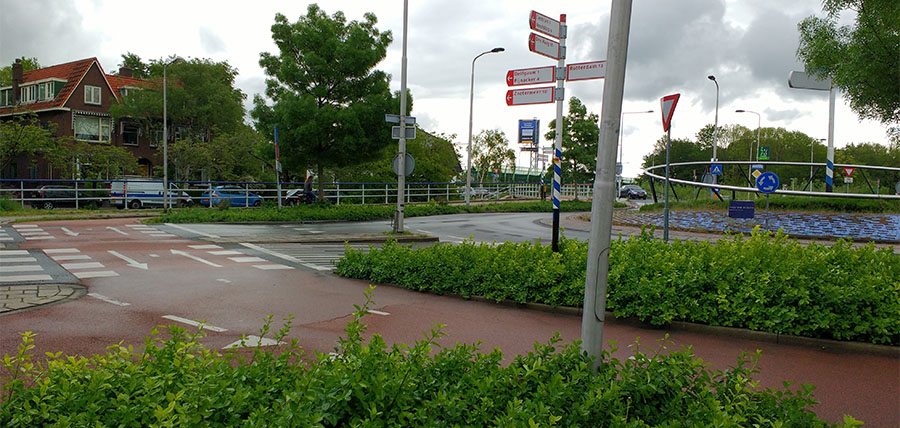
748 45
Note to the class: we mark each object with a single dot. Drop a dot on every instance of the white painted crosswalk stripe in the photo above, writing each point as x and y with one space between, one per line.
35 238
225 253
25 226
20 268
205 247
95 274
23 278
5 253
66 257
246 259
61 250
272 267
89 265
18 259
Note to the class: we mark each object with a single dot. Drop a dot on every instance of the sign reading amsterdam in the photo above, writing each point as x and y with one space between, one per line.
586 70
530 76
518 97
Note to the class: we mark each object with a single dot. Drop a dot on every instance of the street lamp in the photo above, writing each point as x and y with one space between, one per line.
166 138
622 148
471 101
716 124
758 122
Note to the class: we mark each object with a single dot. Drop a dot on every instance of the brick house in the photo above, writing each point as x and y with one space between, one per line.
76 96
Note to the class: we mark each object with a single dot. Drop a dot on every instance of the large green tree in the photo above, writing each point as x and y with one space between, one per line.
28 64
490 152
436 162
139 69
327 98
24 136
862 59
581 134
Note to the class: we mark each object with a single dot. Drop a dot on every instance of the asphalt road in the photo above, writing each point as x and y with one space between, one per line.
139 276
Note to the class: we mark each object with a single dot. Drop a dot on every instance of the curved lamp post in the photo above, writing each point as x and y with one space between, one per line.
471 101
758 122
166 138
716 124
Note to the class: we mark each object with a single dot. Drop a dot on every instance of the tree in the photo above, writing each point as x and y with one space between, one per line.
861 59
237 155
581 134
201 99
491 151
872 155
28 64
24 136
436 162
680 150
328 100
139 69
95 161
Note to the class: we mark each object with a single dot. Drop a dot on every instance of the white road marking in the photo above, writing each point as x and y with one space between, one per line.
227 281
373 311
205 247
194 323
18 259
456 238
149 230
161 235
4 253
108 300
17 278
138 226
252 341
61 250
225 253
423 231
64 257
95 274
249 259
24 226
90 265
283 256
131 262
154 255
21 268
115 229
272 267
208 235
33 233
191 256
3 238
68 232
33 238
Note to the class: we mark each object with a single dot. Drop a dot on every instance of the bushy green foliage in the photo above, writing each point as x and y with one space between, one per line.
764 282
354 212
7 204
790 203
177 382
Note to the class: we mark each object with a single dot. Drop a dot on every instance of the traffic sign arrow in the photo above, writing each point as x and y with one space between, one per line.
131 262
530 76
668 103
541 95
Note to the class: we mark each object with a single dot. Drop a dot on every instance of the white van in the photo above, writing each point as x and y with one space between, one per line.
139 193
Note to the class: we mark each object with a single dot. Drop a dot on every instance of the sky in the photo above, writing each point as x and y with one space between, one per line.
749 46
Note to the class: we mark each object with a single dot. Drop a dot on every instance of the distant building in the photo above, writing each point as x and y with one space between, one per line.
76 96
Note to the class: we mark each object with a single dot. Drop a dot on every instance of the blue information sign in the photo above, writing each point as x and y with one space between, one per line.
767 182
715 169
529 132
741 209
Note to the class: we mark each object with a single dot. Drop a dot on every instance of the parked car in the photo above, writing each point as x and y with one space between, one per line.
632 191
49 197
236 197
298 197
144 193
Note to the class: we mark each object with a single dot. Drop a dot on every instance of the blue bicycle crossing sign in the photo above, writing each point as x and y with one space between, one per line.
767 182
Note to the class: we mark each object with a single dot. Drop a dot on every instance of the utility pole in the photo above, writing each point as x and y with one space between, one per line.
401 176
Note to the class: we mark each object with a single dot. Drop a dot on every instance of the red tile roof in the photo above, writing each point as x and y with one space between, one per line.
118 82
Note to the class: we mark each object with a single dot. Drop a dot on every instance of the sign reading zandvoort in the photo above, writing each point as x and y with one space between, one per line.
530 76
518 97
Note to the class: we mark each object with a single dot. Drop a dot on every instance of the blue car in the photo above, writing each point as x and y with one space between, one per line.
236 197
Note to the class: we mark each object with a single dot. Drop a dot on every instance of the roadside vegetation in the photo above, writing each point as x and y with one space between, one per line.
175 381
789 203
762 282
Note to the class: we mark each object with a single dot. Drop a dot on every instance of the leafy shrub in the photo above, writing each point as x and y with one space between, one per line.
7 204
764 282
177 382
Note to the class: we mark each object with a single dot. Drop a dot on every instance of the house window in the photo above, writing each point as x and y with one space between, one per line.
6 97
130 135
45 91
29 94
91 94
89 128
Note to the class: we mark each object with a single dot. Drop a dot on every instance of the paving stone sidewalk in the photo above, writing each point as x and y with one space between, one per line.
17 298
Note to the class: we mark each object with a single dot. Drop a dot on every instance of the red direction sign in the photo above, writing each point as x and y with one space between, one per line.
849 171
543 46
545 25
530 76
668 103
586 70
518 97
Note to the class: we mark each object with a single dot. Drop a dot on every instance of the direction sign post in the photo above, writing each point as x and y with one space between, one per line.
668 104
531 76
801 80
586 70
546 25
546 47
518 97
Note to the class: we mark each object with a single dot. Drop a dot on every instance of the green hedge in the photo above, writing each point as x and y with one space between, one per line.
354 212
762 282
789 203
177 383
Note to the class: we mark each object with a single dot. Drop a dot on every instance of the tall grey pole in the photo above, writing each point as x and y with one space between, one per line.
401 176
557 145
666 197
471 104
165 147
595 284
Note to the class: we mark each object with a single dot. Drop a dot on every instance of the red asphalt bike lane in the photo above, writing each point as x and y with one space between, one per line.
237 297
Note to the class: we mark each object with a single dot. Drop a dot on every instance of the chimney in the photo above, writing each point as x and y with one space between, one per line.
16 80
125 72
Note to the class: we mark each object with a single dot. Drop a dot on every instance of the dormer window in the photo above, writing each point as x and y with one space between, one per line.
28 94
92 94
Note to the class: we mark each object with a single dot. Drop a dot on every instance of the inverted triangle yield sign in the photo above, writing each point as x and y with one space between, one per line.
849 171
668 107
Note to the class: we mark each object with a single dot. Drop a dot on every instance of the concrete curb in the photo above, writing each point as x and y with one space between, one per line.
826 345
323 239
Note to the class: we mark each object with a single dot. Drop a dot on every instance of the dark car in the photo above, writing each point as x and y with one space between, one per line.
236 197
49 197
632 191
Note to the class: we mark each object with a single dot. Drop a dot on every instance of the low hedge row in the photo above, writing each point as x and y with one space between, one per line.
354 212
791 203
176 382
762 282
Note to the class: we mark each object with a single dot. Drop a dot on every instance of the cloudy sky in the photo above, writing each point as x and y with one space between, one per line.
749 46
